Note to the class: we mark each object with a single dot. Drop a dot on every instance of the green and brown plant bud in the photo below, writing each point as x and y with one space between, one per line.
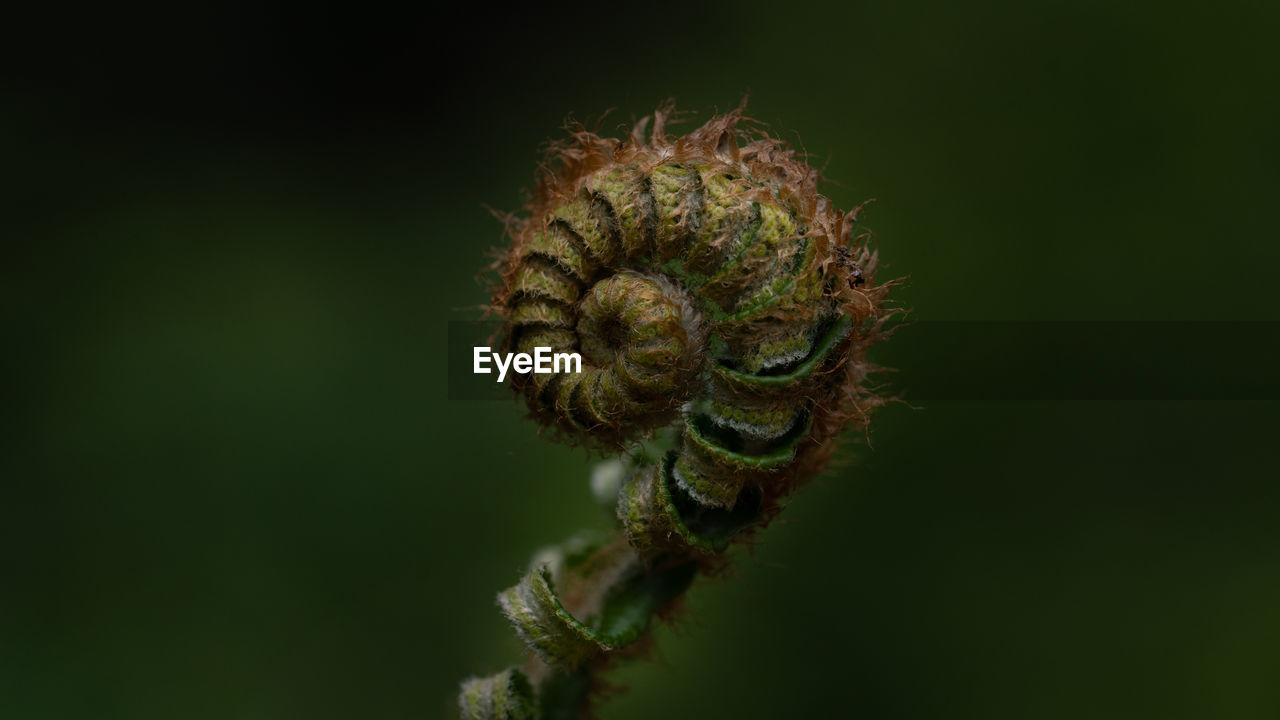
723 310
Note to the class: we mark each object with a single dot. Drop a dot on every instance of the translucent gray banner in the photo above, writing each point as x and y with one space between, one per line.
1025 362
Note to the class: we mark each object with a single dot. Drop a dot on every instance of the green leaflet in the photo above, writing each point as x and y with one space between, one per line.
542 623
660 519
708 529
509 695
504 696
628 610
838 332
632 595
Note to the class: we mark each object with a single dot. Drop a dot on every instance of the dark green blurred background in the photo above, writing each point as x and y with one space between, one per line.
233 486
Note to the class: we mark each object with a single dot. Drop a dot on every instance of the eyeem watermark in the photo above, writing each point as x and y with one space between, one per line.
542 362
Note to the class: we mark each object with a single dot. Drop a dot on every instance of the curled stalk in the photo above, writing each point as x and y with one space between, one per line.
723 310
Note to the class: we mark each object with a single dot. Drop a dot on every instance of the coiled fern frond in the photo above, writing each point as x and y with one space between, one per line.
723 310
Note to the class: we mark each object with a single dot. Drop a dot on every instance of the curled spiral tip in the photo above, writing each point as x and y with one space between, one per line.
507 695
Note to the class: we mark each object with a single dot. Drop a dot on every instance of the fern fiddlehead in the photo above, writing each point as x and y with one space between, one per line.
723 310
